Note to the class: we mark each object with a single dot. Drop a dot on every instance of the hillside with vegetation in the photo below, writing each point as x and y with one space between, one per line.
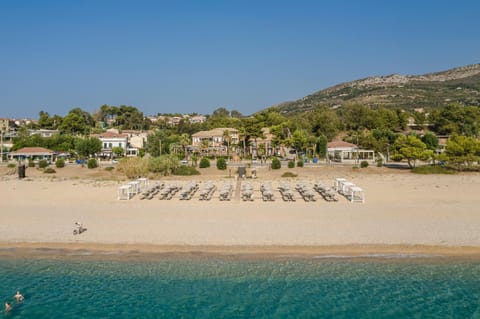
459 85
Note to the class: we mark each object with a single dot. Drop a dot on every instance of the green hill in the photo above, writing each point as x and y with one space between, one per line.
458 85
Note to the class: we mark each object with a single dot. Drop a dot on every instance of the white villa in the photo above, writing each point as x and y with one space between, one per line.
110 140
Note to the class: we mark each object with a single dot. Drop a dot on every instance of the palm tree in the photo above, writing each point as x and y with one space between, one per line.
227 138
185 141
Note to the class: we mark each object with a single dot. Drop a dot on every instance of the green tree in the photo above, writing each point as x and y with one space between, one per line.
321 147
118 151
412 149
74 124
462 150
430 140
87 147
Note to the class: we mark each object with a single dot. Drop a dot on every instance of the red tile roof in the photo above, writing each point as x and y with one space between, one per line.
33 150
338 144
110 135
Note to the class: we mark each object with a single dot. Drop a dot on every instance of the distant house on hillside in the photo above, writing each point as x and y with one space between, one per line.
339 151
43 132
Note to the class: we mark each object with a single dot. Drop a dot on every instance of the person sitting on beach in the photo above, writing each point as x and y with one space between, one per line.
18 297
8 307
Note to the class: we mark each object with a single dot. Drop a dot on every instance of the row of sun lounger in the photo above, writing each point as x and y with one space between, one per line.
247 191
168 191
267 192
325 191
151 191
188 190
226 191
286 192
207 190
306 192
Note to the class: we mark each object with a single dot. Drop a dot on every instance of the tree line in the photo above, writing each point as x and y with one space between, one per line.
381 129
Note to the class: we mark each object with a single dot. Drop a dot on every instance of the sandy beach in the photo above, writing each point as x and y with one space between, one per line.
403 213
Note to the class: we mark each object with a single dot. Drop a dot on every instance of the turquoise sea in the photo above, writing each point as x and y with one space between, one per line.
201 286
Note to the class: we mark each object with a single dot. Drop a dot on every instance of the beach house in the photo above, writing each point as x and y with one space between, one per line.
340 151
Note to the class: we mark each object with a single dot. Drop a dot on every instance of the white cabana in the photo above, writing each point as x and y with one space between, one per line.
338 183
125 192
135 187
356 194
143 183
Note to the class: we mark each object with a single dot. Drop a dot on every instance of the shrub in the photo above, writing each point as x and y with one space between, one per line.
432 169
222 164
60 162
11 165
289 174
165 164
379 162
92 163
186 171
204 162
363 164
109 168
276 163
291 164
49 170
300 163
133 167
31 163
42 163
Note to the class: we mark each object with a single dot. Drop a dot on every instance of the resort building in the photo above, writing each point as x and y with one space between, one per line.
339 151
215 141
33 153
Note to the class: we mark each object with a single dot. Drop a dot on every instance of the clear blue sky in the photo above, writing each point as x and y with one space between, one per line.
195 56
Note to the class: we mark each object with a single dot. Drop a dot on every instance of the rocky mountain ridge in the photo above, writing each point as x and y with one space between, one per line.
457 85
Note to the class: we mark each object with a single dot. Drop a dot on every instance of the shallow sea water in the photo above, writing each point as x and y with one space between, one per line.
166 286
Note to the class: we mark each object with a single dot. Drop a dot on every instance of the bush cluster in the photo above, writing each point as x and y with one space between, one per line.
42 163
31 163
222 163
289 174
186 171
300 163
204 162
276 163
11 165
60 162
363 164
291 164
92 163
49 170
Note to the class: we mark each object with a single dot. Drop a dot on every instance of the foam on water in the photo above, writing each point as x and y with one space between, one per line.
217 287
